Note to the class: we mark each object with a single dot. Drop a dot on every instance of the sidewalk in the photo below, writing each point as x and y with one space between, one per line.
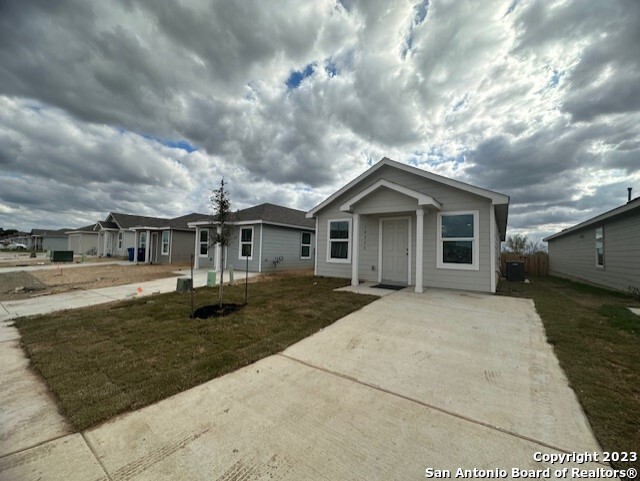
29 417
92 297
45 267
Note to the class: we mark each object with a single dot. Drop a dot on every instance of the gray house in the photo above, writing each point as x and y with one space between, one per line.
83 240
166 241
266 237
48 239
398 224
604 250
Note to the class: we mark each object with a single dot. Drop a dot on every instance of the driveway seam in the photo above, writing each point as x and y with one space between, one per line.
37 445
95 455
430 406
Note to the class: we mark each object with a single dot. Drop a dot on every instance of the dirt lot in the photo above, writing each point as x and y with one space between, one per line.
23 285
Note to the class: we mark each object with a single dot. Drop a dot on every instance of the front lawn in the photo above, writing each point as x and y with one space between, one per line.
597 340
105 360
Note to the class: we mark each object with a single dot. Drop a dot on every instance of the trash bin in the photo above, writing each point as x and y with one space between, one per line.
515 271
130 251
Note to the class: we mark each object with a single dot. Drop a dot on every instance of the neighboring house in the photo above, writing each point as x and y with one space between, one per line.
166 241
83 240
264 238
48 240
604 250
116 234
401 225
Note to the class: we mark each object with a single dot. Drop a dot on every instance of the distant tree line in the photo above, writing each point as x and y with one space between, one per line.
7 232
521 244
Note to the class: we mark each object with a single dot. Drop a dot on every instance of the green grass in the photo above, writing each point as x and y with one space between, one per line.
597 340
105 360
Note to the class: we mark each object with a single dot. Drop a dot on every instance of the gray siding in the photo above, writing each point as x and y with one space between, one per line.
55 243
233 251
182 246
573 255
83 243
452 199
284 242
208 261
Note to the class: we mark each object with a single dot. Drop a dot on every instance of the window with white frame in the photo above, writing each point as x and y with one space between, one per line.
246 243
457 240
599 246
165 243
305 246
143 240
120 240
203 249
339 240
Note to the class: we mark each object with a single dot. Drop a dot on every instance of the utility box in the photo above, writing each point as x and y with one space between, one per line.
61 256
211 278
183 284
515 271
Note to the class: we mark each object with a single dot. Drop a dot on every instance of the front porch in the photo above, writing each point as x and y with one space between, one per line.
388 234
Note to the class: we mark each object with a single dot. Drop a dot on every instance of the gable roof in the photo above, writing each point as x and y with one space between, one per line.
495 197
623 209
86 228
127 221
49 232
266 213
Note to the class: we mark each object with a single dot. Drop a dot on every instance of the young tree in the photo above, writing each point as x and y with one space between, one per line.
223 217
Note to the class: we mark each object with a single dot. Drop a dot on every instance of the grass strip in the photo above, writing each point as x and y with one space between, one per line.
106 360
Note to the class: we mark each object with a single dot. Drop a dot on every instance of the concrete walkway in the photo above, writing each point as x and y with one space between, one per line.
46 267
441 380
92 297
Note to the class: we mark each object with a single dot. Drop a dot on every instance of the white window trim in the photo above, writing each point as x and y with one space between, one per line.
240 256
476 229
595 247
120 237
338 261
306 245
200 242
163 251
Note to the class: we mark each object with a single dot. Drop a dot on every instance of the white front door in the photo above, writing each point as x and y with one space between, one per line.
395 250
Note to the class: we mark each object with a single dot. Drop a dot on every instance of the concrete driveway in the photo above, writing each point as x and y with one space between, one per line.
440 380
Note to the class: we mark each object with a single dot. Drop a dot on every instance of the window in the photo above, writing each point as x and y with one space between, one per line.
305 246
119 240
599 246
143 240
458 240
204 243
246 243
165 243
339 241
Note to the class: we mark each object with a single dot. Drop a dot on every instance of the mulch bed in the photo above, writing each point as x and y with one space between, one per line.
205 312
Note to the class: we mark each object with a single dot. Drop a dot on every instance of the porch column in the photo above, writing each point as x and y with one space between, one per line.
106 239
419 247
135 246
196 250
147 244
354 249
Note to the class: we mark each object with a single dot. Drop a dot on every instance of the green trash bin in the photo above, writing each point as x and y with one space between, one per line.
211 278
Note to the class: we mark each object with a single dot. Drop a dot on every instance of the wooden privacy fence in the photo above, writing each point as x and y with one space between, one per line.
534 265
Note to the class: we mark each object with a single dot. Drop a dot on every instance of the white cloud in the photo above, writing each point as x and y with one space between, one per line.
536 99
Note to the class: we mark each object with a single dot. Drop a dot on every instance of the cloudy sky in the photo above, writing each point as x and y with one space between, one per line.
142 106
